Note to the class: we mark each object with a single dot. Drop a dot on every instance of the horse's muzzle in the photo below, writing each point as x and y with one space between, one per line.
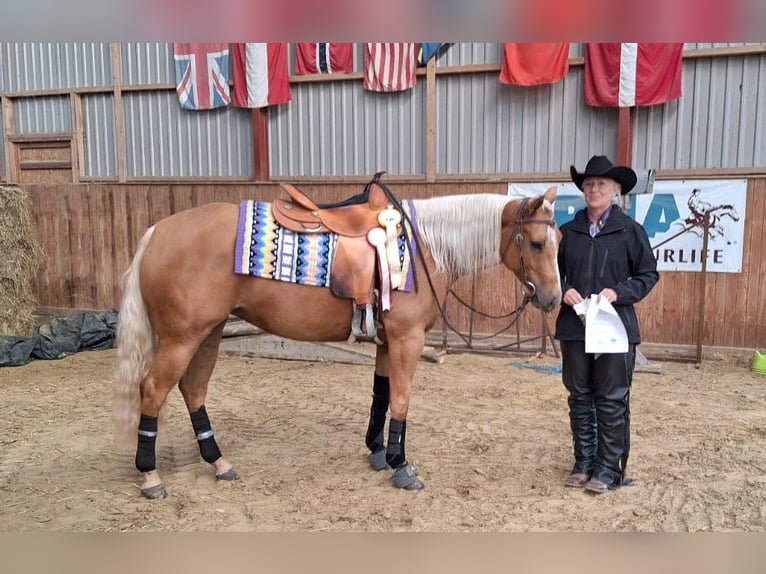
548 304
541 299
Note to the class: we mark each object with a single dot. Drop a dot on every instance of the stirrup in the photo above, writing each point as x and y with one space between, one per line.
370 332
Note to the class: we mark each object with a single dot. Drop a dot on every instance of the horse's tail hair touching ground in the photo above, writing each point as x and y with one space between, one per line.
136 347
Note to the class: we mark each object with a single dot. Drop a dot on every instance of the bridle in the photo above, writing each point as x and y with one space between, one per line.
518 239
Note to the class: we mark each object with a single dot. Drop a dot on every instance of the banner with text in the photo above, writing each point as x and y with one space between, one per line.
673 216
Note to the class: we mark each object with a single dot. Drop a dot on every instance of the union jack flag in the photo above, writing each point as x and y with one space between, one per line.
202 75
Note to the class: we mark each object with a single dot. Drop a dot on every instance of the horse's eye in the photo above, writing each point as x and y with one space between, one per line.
536 245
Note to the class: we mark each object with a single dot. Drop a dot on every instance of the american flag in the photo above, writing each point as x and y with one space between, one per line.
389 67
202 75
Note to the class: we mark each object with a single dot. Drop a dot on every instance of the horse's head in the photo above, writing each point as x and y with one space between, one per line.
529 247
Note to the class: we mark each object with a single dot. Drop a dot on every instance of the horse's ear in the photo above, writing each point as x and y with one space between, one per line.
551 194
548 197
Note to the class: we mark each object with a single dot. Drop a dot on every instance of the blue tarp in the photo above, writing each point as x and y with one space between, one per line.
551 370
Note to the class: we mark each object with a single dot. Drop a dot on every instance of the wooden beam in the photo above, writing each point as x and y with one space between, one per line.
119 112
625 137
11 157
431 120
45 165
78 139
261 144
42 140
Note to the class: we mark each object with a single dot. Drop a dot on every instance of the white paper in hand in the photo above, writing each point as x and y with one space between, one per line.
604 331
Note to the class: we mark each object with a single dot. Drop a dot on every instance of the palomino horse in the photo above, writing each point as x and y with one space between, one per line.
180 289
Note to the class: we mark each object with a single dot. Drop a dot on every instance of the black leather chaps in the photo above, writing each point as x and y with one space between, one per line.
599 410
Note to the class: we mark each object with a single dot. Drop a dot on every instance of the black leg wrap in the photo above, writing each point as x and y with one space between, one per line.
395 455
208 448
380 397
147 437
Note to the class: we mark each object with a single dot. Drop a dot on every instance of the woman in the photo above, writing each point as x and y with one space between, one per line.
603 252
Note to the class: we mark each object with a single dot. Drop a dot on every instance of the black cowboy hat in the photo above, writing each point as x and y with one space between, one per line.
600 165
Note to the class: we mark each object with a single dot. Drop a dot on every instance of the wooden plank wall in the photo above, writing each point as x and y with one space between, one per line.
89 233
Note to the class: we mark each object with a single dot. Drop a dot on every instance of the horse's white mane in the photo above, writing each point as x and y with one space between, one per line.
462 232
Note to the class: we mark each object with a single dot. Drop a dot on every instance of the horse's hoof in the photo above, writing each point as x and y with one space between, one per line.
378 459
406 477
416 485
230 474
155 492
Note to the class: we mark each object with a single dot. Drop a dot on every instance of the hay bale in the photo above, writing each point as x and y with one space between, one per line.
20 255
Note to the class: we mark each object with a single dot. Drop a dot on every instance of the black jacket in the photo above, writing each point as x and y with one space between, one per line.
619 257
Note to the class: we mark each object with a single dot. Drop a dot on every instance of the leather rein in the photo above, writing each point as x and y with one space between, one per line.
517 239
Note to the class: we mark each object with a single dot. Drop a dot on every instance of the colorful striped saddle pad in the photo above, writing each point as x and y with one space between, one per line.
267 250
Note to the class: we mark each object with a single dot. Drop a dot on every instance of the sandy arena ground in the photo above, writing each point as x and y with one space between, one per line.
491 441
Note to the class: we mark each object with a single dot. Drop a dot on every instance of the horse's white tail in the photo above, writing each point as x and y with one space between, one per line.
136 347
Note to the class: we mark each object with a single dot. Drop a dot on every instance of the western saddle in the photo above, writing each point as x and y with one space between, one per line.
367 227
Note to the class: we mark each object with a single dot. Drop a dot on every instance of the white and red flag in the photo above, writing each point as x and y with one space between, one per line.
261 75
390 67
625 75
323 58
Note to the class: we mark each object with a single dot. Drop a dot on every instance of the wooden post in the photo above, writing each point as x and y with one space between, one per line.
471 310
9 126
77 149
445 327
119 113
261 144
431 120
703 286
625 137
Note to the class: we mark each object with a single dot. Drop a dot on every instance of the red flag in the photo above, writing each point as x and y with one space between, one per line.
534 64
202 75
323 58
627 75
261 75
389 67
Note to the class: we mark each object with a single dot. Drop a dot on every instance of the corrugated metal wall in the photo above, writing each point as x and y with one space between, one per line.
100 135
43 115
714 124
147 63
464 54
164 140
339 129
484 126
33 66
